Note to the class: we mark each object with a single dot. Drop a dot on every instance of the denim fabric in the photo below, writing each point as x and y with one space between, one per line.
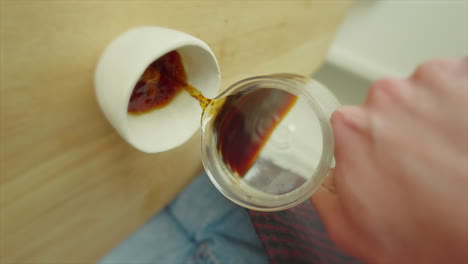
199 227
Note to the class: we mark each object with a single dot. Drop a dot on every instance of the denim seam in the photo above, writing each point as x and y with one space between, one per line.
190 236
218 219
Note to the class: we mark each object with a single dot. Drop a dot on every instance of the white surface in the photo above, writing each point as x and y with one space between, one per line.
122 64
390 38
396 35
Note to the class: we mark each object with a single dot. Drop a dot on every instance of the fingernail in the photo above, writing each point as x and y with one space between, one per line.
354 117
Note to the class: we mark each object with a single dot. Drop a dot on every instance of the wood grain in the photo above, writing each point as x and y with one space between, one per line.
70 188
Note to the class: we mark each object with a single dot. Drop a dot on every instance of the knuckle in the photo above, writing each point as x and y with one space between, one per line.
393 88
442 77
429 70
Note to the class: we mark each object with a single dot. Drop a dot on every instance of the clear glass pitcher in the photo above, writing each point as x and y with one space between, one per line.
295 159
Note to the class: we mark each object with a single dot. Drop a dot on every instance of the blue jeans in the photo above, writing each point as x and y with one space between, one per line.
200 226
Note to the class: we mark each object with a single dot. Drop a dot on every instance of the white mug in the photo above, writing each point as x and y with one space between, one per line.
122 64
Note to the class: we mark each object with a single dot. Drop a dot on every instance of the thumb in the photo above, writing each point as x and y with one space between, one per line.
330 206
338 225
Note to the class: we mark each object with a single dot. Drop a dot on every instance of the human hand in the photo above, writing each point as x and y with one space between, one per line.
401 172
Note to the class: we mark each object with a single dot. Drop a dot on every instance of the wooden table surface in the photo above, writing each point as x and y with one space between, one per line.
71 188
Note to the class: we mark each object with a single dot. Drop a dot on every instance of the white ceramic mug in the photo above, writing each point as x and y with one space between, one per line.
122 64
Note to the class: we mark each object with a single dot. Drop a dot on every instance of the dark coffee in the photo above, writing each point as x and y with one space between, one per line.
245 122
159 84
